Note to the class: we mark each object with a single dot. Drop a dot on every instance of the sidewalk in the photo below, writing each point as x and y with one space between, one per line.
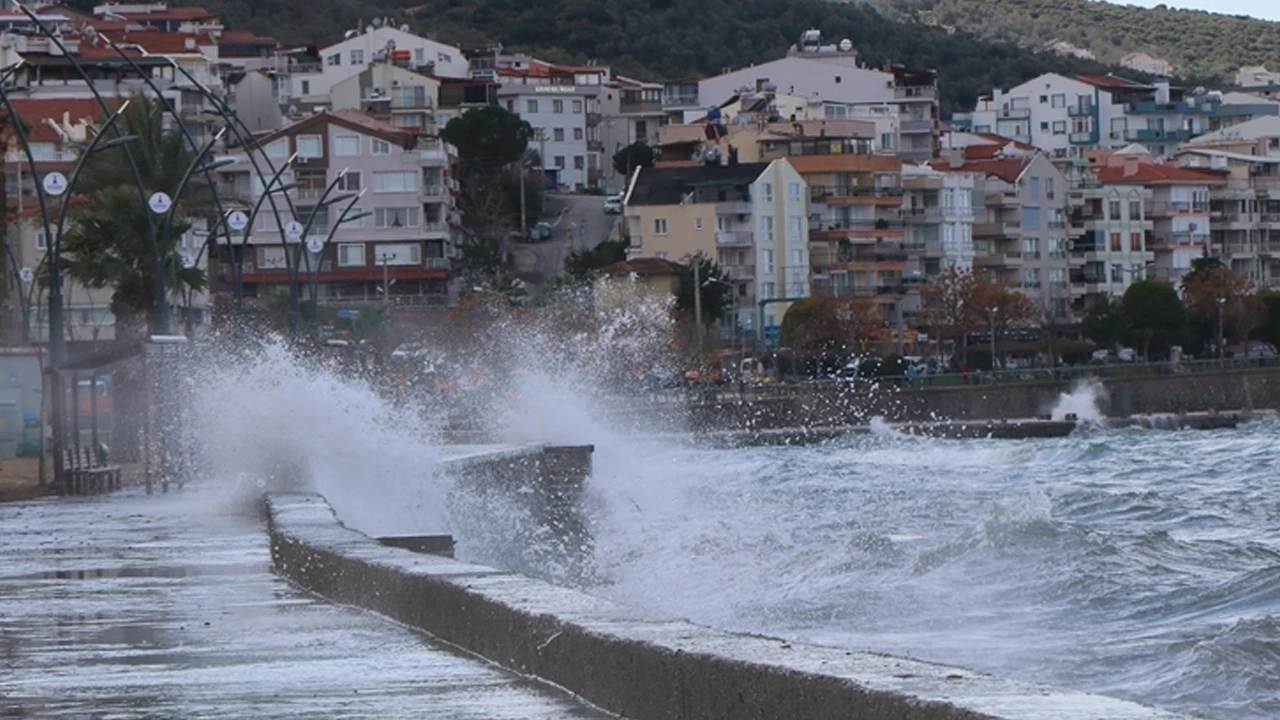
129 606
20 479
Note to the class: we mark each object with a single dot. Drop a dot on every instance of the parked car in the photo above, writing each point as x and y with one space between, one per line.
613 205
1126 355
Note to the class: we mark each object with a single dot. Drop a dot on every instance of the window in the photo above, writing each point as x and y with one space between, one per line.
697 223
278 149
1057 248
559 161
558 135
1030 248
346 145
768 192
420 56
766 259
380 147
797 258
1115 242
1058 277
531 106
659 226
886 141
557 106
1059 127
1113 210
357 223
390 218
1135 242
1035 188
1031 277
511 106
309 146
793 192
661 255
1117 273
1044 126
395 181
306 87
398 254
1059 100
42 241
577 133
577 107
1135 210
1030 218
357 57
766 291
351 255
349 182
579 162
1048 189
1044 99
335 59
271 258
766 228
795 228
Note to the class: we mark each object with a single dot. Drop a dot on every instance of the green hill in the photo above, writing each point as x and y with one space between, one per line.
1196 43
657 39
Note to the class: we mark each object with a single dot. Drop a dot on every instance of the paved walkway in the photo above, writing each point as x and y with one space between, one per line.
132 607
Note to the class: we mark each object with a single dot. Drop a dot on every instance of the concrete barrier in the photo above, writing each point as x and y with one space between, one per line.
642 669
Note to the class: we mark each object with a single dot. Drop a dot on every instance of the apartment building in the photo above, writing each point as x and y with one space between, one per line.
631 111
562 103
937 210
1244 212
1065 116
833 74
1113 233
1178 210
402 248
308 75
400 96
749 217
1020 228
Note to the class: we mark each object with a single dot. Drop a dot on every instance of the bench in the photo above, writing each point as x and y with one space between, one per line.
87 471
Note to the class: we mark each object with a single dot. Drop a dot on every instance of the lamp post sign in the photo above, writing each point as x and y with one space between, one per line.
26 275
315 244
293 230
159 202
237 220
55 183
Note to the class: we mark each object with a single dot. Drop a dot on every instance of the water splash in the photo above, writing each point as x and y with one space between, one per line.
1083 402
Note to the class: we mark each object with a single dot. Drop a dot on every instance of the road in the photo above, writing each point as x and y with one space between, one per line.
128 606
577 222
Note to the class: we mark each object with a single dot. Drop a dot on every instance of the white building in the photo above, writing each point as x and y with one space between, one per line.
938 210
562 103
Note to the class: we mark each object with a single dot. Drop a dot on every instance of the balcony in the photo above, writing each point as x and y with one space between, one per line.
641 108
916 126
434 153
681 100
740 272
1014 113
852 194
595 146
734 207
439 264
1166 209
1156 135
1009 198
593 119
1087 110
435 228
1180 239
928 212
434 191
737 238
1083 138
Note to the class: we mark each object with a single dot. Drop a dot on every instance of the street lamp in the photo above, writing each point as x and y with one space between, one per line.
991 314
1221 302
346 216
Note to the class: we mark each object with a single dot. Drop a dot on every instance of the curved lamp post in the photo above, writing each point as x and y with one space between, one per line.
346 216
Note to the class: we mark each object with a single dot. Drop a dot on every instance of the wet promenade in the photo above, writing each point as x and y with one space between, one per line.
165 607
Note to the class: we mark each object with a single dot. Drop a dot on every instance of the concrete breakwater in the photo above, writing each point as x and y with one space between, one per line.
637 668
1200 392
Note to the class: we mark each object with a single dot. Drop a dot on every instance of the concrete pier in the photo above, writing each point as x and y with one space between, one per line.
166 607
646 670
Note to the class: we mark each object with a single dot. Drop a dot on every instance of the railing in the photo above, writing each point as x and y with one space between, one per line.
435 227
928 211
681 100
819 193
1177 207
434 190
916 126
736 237
1086 110
1181 238
1056 224
827 224
648 108
439 263
740 272
1014 113
733 207
1082 138
437 300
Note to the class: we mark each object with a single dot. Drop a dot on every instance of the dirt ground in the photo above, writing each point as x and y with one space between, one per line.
20 479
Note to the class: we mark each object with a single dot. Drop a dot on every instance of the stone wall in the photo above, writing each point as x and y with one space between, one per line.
647 670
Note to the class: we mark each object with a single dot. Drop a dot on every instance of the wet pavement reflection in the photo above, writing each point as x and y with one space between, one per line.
131 607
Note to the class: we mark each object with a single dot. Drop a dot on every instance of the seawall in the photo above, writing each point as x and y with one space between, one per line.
648 670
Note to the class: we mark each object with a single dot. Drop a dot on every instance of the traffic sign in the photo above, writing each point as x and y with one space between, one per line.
55 183
159 202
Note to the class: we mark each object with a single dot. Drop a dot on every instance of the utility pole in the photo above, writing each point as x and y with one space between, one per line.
991 312
697 297
386 278
901 325
524 222
1221 350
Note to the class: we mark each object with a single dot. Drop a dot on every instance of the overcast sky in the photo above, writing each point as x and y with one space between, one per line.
1265 9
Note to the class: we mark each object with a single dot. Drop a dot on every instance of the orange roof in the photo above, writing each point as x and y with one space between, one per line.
837 162
245 37
75 111
1157 174
644 266
181 13
1007 169
156 42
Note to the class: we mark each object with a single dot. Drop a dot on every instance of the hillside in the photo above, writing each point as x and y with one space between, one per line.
1194 42
666 38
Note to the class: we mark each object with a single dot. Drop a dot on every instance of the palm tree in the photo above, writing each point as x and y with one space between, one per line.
108 241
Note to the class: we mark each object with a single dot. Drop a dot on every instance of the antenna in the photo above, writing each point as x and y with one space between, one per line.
377 22
404 28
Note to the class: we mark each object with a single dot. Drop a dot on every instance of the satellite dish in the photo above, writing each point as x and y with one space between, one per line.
293 111
368 28
404 27
377 22
846 45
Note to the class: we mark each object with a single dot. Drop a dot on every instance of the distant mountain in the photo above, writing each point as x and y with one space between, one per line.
1193 42
656 39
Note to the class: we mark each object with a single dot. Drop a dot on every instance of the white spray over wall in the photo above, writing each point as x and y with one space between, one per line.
1083 402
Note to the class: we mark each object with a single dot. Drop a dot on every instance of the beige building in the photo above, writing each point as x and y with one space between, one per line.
1244 211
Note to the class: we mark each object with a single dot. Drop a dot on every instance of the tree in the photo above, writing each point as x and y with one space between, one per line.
811 324
1105 323
581 263
109 241
1154 311
1268 330
488 137
1212 284
637 154
716 290
949 303
861 320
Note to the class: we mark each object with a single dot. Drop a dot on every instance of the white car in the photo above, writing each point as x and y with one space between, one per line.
613 205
